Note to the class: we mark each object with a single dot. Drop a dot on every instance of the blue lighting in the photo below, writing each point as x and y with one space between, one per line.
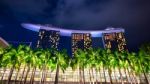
67 32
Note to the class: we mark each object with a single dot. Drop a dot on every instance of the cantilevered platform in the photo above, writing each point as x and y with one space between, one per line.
68 32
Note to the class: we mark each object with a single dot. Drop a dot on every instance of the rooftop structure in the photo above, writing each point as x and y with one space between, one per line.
68 32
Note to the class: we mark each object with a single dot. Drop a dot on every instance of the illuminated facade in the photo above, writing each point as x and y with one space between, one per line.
114 41
81 41
48 39
112 38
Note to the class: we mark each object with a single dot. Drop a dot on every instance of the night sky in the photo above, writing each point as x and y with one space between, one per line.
133 15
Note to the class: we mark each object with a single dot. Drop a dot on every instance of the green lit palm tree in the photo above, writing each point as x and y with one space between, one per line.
11 60
20 52
79 61
143 62
100 63
2 51
43 63
132 60
34 63
120 60
28 60
93 62
5 60
60 62
107 60
123 63
114 62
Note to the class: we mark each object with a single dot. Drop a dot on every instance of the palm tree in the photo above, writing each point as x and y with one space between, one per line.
93 62
114 62
44 58
34 63
89 63
120 61
40 63
61 63
100 62
67 60
102 55
132 60
143 63
107 58
74 63
124 64
12 61
2 51
28 60
5 59
79 61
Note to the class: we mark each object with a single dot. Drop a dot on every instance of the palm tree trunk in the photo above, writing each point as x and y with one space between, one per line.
3 76
45 74
33 74
83 76
115 75
104 75
42 81
126 75
121 76
146 78
80 73
26 75
93 75
18 70
96 77
42 75
145 75
10 74
22 74
109 72
100 76
132 76
90 76
57 74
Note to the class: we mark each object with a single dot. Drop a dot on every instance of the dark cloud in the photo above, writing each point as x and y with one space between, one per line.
108 13
133 15
24 10
95 14
27 6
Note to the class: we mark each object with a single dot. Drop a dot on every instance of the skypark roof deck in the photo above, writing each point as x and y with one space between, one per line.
68 32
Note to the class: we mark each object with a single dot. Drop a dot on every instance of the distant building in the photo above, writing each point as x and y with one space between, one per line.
3 43
48 39
81 41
